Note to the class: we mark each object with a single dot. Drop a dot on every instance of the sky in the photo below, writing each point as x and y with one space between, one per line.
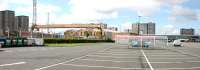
169 15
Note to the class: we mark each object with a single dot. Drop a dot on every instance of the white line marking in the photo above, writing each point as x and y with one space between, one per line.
101 66
166 62
9 51
187 53
192 61
195 67
66 61
171 58
118 52
125 61
105 60
135 57
111 56
147 60
178 68
12 64
166 55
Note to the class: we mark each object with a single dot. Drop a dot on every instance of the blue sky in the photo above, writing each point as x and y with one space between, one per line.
169 15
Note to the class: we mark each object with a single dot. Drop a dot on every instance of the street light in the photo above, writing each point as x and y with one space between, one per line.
139 17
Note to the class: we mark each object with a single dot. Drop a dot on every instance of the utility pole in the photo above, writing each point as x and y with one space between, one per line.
48 21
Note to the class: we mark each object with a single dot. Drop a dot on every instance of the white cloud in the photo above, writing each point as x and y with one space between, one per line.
169 30
183 15
96 8
3 5
198 11
86 10
126 25
83 11
172 2
42 12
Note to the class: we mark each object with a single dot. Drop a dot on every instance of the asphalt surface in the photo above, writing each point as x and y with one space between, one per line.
101 56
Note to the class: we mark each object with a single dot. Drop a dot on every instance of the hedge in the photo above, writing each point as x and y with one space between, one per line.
52 40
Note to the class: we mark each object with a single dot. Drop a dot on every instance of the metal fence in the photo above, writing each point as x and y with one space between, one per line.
142 41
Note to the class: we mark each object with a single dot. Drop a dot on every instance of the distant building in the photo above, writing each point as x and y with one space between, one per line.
83 33
144 28
128 30
104 26
7 22
23 23
112 28
187 31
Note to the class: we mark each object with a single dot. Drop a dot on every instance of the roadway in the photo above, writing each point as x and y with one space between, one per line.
101 56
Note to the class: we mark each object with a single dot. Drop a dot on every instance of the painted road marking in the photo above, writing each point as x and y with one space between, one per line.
178 68
171 58
192 61
106 60
165 55
136 57
111 56
101 66
125 61
147 59
9 51
119 52
12 64
65 61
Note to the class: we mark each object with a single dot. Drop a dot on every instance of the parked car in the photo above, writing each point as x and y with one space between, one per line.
135 44
146 44
178 42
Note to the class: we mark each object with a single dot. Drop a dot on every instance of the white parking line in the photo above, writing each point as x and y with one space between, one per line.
9 51
178 68
192 61
124 61
105 60
125 52
167 55
12 64
113 54
101 66
136 57
171 58
147 59
65 61
162 54
187 53
110 56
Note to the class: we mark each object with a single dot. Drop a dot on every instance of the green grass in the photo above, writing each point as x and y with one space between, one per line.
68 44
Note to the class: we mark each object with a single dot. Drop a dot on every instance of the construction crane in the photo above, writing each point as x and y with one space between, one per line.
34 19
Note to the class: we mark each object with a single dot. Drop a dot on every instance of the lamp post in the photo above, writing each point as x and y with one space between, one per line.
139 17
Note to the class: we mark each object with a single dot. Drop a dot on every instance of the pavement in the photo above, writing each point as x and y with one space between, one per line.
101 56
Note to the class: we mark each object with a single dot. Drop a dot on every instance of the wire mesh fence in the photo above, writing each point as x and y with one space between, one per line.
142 41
